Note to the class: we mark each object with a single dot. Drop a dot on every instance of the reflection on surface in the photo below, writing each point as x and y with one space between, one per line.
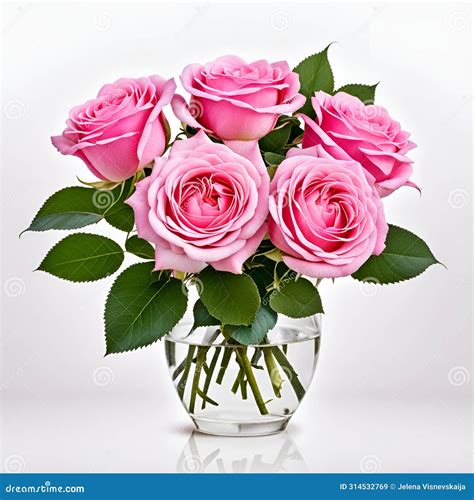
277 453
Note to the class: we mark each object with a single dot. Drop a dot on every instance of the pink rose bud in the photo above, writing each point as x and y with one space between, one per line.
346 127
236 101
204 204
326 215
120 131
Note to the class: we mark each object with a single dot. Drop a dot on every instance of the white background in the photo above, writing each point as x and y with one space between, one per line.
392 391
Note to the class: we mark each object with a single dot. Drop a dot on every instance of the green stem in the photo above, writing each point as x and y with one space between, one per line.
187 367
201 358
289 371
247 368
236 384
170 349
273 371
179 369
212 367
256 357
224 364
243 387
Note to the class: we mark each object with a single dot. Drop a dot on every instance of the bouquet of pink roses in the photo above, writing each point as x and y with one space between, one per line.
274 182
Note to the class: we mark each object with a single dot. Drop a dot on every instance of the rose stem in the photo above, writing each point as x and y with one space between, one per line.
290 372
245 364
184 378
238 378
212 367
273 371
179 369
201 358
170 349
255 358
243 387
224 364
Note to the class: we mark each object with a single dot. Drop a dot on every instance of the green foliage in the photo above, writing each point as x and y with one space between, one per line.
273 158
366 93
83 257
139 247
69 208
139 310
76 207
202 317
119 214
296 299
264 321
231 298
404 257
315 74
276 140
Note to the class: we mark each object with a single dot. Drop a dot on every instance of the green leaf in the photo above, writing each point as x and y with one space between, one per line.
69 208
276 140
120 215
139 247
405 256
264 321
202 316
231 298
273 158
83 257
76 207
296 299
366 93
315 74
139 311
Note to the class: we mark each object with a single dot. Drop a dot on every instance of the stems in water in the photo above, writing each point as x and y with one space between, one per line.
244 362
224 364
290 372
201 358
187 367
212 367
273 372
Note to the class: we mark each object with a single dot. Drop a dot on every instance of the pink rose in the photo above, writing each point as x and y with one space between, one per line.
204 204
236 101
366 134
325 214
120 131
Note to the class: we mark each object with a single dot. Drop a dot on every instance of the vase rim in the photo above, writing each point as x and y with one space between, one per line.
188 340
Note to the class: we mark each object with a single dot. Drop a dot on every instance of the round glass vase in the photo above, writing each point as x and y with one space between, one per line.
234 390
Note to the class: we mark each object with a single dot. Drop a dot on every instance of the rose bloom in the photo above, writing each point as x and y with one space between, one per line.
236 101
204 204
120 131
366 134
325 214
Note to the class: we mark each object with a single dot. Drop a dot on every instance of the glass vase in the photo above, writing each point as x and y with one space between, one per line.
234 390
